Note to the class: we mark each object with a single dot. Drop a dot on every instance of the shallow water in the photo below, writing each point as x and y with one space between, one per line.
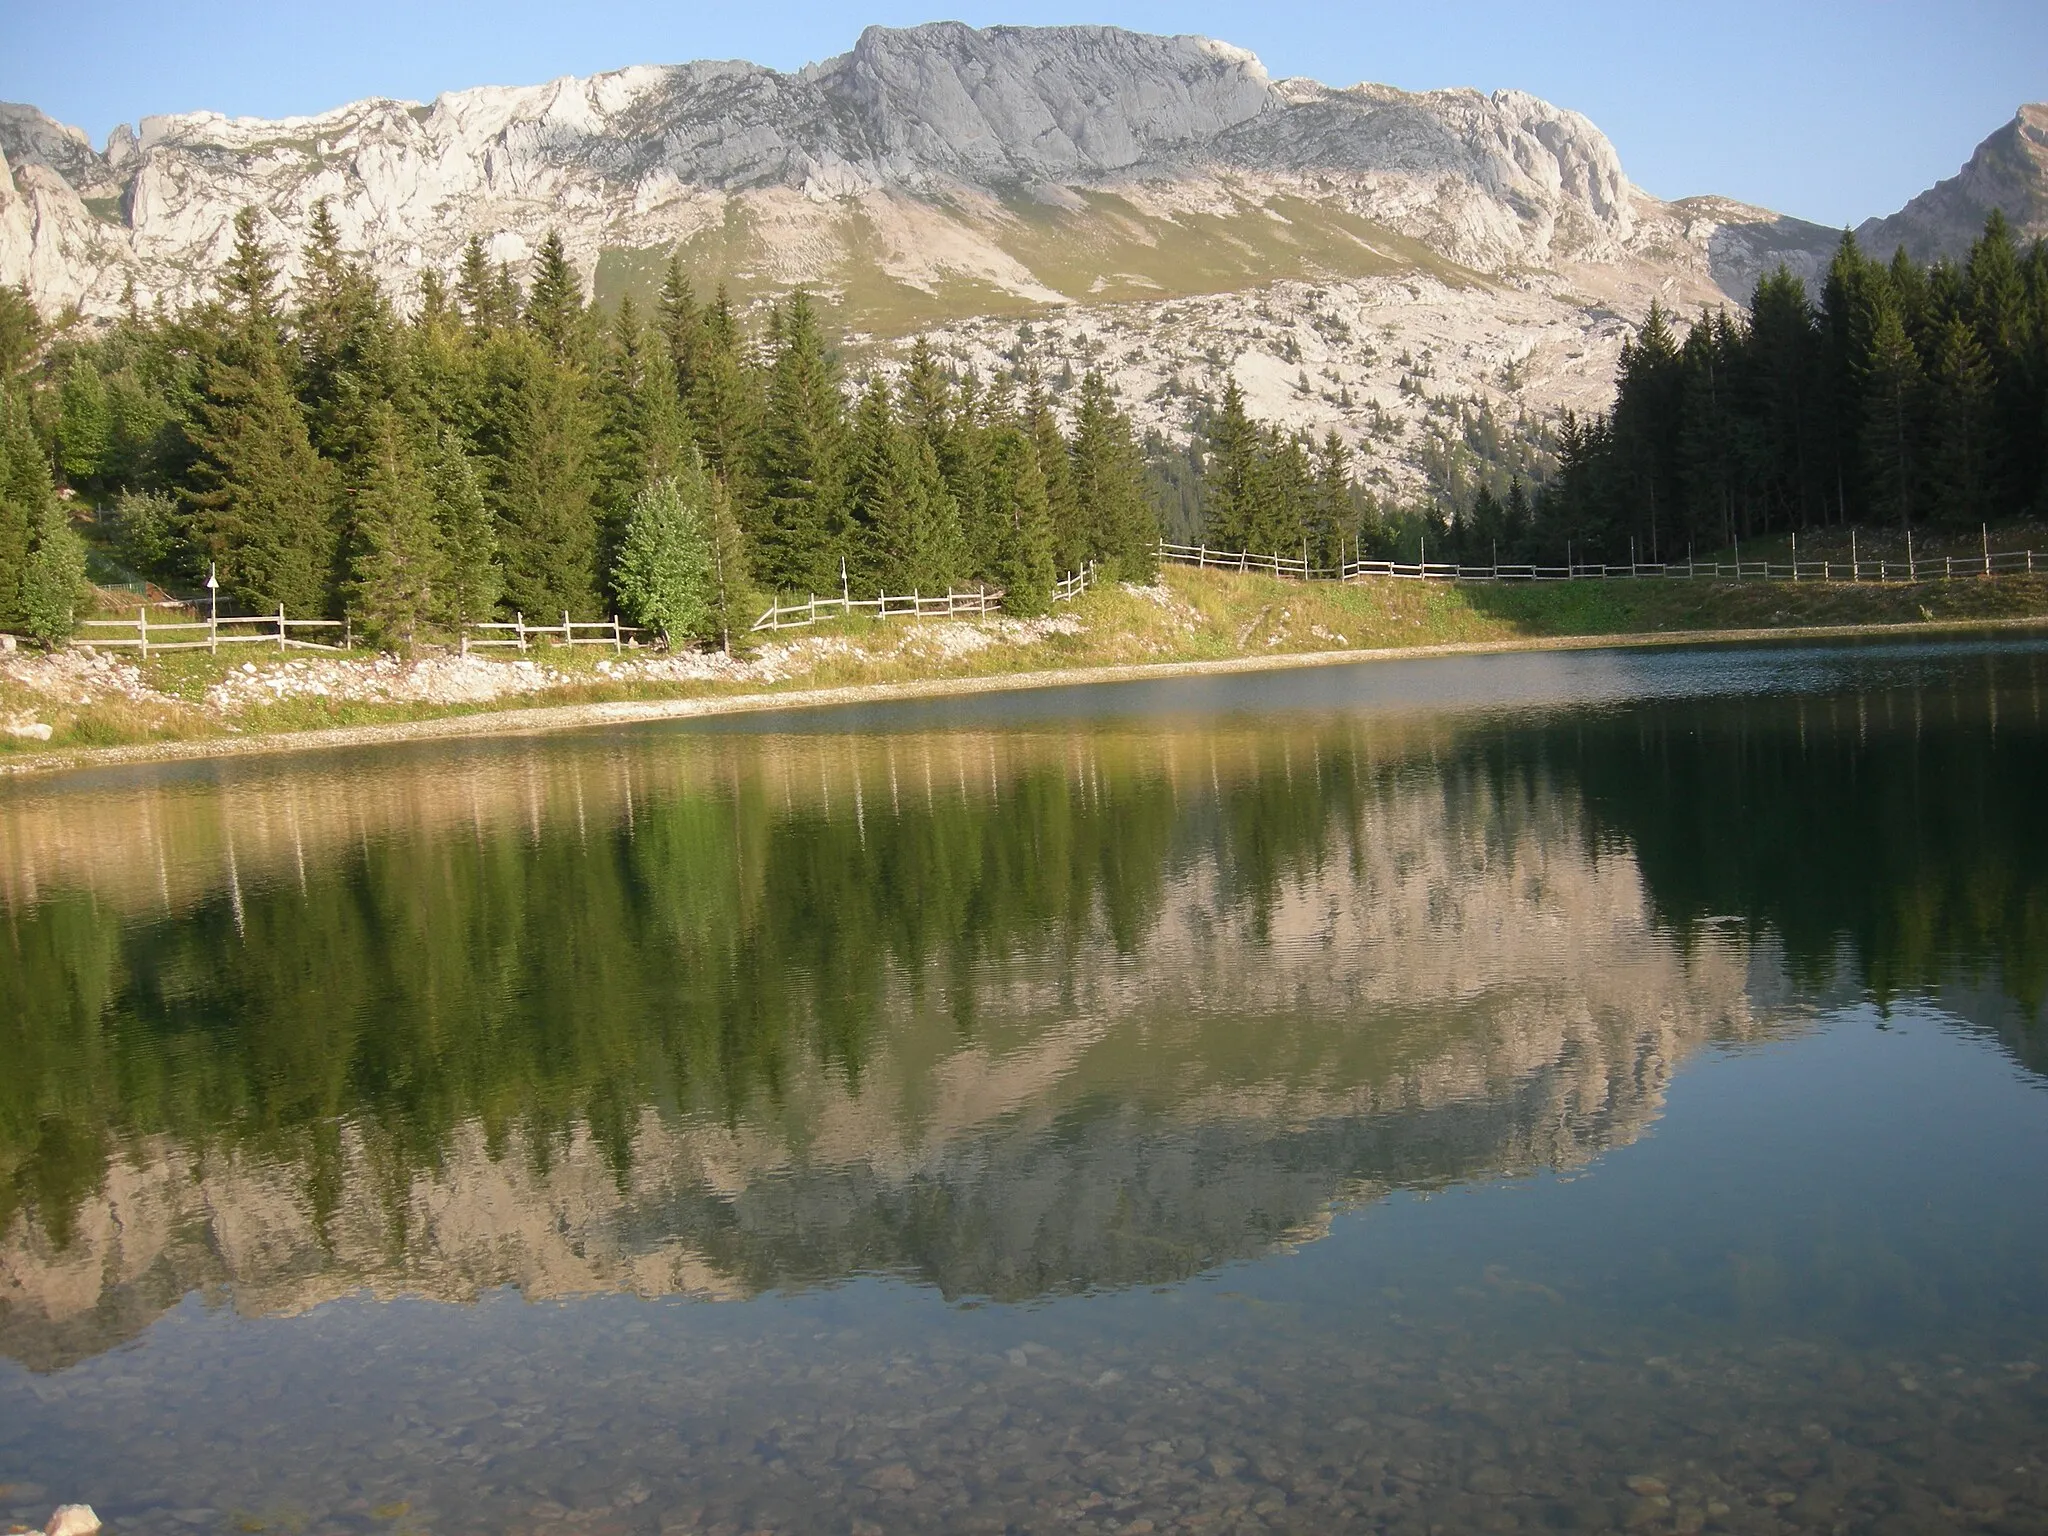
1585 1091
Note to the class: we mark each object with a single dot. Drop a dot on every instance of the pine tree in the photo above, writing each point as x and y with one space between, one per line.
1962 421
24 484
1073 539
53 588
1331 532
725 409
681 324
733 600
477 290
1108 478
803 535
84 423
1891 391
546 483
397 559
1231 488
667 577
1022 521
555 312
264 503
472 580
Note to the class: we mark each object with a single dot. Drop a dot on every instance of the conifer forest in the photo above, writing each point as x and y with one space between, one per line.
497 444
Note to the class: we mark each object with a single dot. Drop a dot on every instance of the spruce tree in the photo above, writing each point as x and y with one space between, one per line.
1108 487
802 537
24 481
1022 522
1076 536
1332 534
877 492
681 324
725 408
477 291
53 588
1231 482
397 559
1891 396
555 311
667 577
546 483
1961 425
264 503
734 604
84 424
472 579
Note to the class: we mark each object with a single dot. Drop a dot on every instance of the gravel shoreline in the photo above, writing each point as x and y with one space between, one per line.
535 719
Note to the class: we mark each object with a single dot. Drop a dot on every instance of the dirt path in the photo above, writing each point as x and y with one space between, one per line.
516 720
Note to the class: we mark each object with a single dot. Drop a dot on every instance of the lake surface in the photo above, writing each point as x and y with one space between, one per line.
1586 1091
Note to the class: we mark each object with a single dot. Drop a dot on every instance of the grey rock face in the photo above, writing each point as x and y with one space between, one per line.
942 113
2009 171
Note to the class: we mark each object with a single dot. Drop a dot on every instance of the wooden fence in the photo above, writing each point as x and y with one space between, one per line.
1941 568
980 602
210 634
519 634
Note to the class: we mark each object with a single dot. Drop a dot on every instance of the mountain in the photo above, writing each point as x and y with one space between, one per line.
2008 172
1157 208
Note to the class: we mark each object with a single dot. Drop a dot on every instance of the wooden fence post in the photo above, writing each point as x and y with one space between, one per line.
142 628
280 629
519 629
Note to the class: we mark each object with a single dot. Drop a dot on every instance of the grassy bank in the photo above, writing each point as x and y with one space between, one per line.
1189 616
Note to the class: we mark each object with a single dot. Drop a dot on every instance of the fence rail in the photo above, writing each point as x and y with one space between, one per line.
210 634
1067 588
1939 568
519 634
980 602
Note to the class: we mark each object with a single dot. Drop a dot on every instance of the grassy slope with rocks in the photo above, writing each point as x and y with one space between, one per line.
110 700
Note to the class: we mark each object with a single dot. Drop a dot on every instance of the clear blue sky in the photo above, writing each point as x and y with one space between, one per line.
1831 111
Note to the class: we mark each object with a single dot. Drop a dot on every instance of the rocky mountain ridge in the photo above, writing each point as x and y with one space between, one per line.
1072 197
975 136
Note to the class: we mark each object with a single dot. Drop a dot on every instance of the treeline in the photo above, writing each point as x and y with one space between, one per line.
507 447
1907 396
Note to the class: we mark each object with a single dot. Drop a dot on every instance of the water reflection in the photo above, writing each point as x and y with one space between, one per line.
1019 1012
1602 1099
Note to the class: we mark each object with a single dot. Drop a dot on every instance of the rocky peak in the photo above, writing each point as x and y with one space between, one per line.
2009 171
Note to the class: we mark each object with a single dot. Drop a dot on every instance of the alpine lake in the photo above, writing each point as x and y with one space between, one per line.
1586 1091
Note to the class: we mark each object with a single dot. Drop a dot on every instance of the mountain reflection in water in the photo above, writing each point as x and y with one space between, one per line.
1018 1012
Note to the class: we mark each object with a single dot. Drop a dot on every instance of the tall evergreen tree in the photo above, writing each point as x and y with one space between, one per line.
1962 425
1108 477
264 503
547 483
802 538
555 312
84 423
472 580
1891 399
397 558
1022 521
1232 486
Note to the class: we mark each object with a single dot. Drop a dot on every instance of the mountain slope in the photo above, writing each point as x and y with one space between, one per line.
1022 164
2009 172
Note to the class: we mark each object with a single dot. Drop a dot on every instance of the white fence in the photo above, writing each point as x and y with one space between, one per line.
1941 568
978 603
210 634
519 634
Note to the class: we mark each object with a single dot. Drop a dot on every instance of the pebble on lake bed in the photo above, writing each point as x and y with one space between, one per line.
72 1520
